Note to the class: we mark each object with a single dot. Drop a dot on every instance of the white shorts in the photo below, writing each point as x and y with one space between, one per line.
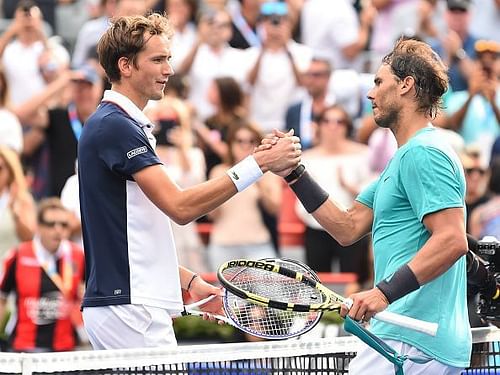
128 326
368 361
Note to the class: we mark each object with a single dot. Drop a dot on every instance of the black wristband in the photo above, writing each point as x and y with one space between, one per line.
400 284
296 173
310 194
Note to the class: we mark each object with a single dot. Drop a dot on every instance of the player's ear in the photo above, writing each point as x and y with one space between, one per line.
407 84
124 66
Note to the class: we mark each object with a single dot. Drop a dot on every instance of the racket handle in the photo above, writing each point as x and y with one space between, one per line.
402 320
407 322
216 316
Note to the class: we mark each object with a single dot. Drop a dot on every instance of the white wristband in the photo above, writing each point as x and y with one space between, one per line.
245 173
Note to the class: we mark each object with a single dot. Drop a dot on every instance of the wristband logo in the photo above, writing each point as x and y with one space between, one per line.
234 175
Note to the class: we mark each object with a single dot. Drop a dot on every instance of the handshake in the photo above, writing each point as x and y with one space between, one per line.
279 153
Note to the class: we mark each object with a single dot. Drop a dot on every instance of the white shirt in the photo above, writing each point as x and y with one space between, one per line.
208 65
11 132
276 87
22 70
327 27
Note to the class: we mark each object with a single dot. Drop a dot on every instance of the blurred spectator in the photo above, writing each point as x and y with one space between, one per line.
47 8
17 208
238 229
185 164
276 67
485 220
341 167
245 17
63 125
71 15
476 181
181 14
226 96
93 29
301 116
331 28
46 275
431 20
475 113
21 47
456 47
485 19
11 132
70 199
211 57
393 19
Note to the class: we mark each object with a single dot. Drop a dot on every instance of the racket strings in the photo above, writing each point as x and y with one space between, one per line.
265 321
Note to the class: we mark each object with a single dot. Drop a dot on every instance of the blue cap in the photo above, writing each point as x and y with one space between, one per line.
87 73
274 8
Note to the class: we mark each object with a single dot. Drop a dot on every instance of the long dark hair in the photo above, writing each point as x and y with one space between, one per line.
416 59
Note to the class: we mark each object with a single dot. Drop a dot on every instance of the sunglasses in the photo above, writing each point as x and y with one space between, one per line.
477 170
52 224
242 141
336 121
318 74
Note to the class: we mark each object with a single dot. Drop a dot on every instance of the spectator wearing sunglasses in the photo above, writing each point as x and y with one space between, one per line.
300 116
485 220
476 179
239 231
46 275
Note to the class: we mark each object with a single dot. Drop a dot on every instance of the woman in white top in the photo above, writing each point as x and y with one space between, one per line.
238 228
17 207
341 166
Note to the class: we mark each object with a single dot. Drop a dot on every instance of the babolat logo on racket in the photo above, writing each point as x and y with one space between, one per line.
251 264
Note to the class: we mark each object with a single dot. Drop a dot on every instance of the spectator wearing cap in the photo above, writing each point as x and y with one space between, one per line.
61 126
275 68
475 113
456 47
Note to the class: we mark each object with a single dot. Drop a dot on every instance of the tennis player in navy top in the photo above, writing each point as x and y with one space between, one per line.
133 280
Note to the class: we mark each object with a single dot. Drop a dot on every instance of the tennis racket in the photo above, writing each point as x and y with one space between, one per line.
262 321
278 287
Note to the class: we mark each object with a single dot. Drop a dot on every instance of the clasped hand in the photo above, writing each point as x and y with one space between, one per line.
279 152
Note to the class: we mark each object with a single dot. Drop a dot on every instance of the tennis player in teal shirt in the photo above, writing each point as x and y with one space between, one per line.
415 212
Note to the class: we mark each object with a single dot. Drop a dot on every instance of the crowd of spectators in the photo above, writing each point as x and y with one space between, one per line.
243 67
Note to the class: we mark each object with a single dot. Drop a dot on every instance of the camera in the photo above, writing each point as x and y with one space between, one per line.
166 125
483 276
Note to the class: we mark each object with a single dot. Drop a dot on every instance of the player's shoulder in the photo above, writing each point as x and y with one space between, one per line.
111 120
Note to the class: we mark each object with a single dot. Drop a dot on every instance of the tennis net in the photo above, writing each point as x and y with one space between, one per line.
293 357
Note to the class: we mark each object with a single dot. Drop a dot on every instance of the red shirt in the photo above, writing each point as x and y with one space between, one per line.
44 312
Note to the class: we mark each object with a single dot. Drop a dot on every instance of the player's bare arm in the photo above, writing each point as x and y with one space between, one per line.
183 206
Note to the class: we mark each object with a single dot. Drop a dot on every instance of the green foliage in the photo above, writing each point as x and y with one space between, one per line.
195 328
192 328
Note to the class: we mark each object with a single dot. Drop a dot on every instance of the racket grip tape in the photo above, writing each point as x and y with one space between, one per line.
407 322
